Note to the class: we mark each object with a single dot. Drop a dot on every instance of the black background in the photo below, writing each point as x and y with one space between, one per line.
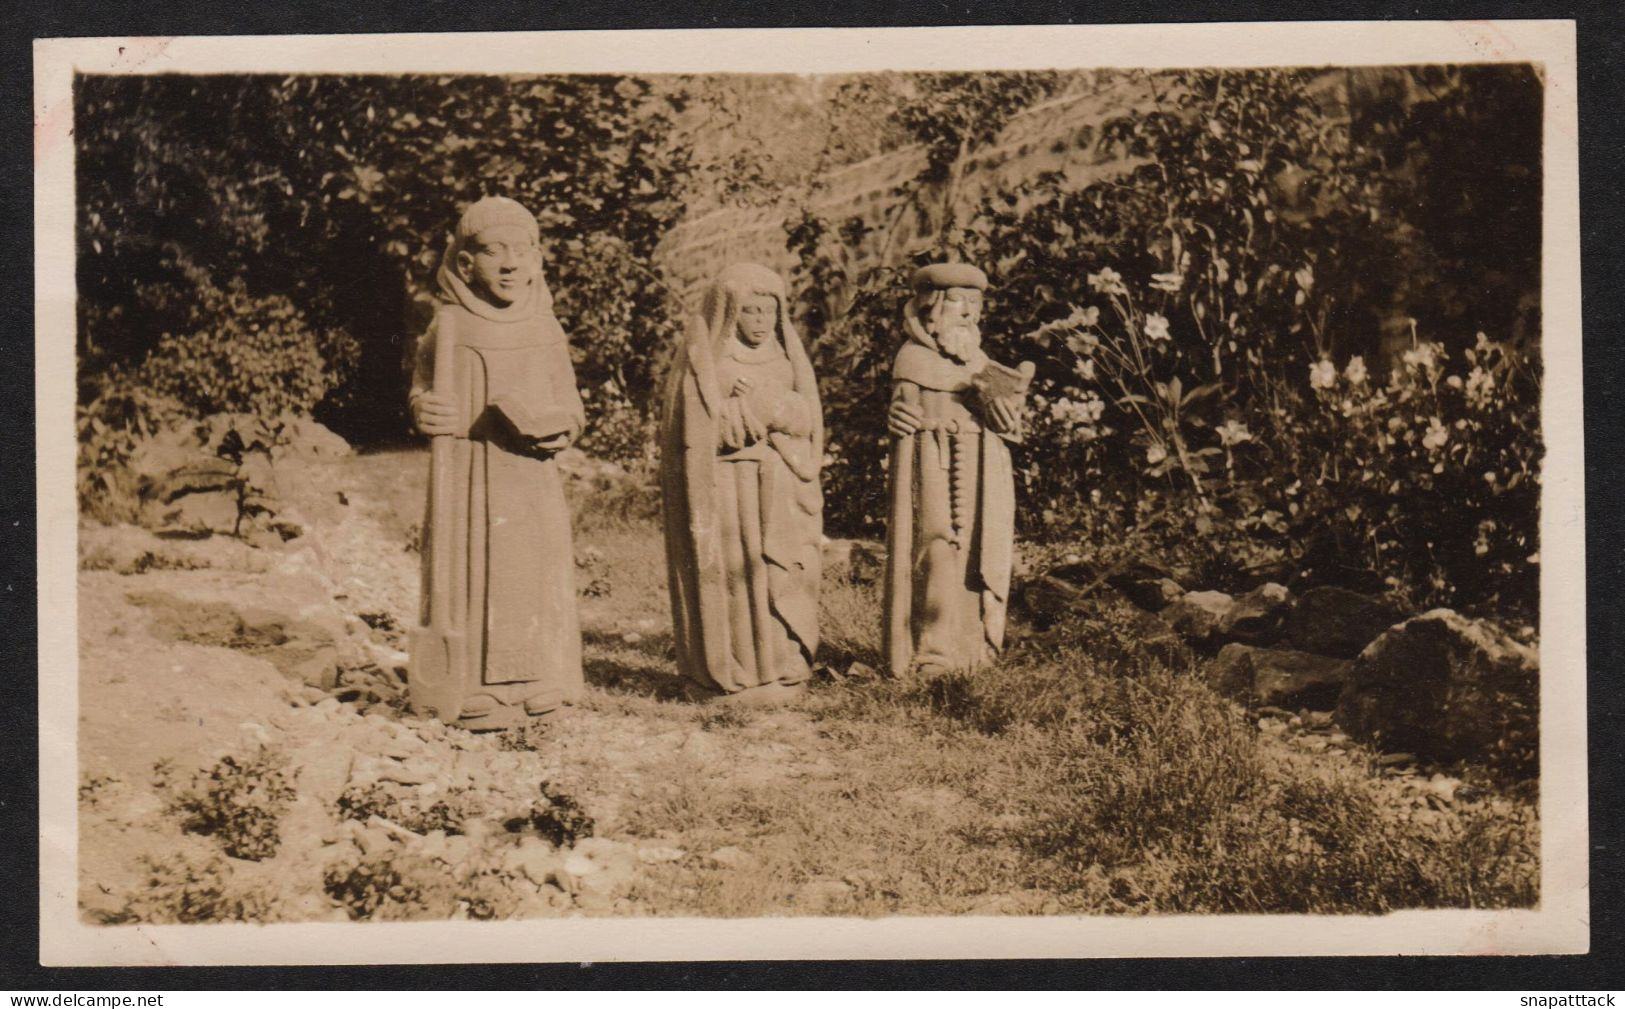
1602 92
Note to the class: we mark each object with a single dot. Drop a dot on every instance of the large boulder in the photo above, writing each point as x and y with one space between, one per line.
1197 615
1146 584
1257 617
188 484
289 618
1329 620
132 550
1279 677
1447 688
1046 601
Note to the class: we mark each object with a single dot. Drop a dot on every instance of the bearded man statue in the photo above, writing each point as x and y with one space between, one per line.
742 442
951 529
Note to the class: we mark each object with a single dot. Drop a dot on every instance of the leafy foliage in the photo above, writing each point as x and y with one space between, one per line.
321 204
240 801
1259 223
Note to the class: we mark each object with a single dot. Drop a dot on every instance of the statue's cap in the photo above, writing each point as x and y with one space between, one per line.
940 275
492 211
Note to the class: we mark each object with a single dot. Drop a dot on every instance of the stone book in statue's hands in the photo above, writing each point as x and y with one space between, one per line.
996 381
533 425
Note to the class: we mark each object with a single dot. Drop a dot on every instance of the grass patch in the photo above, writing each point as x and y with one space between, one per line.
1090 771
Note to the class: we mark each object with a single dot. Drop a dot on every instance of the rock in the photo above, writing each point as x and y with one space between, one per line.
408 773
1274 676
866 562
132 550
308 438
1197 615
657 854
818 895
1444 787
1257 618
1396 759
373 841
732 857
860 670
288 619
1046 601
1146 584
1154 594
1447 688
837 555
538 862
1329 620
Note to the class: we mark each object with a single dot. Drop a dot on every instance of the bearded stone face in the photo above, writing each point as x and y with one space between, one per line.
953 322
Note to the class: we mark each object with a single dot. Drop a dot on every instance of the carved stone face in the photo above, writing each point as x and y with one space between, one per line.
953 322
758 315
500 263
961 307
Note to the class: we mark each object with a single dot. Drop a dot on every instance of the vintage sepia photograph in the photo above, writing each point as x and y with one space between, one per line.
1011 487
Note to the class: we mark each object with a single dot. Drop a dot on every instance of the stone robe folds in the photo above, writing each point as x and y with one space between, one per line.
513 584
743 527
951 527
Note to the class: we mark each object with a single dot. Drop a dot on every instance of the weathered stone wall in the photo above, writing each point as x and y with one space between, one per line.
1059 135
1056 136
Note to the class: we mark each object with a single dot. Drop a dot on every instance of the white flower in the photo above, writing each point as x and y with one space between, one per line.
1322 375
1355 372
1107 281
1305 276
1420 356
1156 453
1170 282
1156 327
1479 385
1086 316
1233 432
1082 344
1437 435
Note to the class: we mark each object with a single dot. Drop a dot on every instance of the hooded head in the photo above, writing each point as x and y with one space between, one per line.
745 301
493 261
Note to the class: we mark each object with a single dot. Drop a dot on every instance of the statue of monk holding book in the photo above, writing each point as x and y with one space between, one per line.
493 386
951 531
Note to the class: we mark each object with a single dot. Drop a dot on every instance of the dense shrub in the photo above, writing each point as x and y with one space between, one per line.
330 196
120 414
247 355
1184 317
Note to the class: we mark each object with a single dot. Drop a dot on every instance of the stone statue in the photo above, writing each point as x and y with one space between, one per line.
741 443
951 528
493 386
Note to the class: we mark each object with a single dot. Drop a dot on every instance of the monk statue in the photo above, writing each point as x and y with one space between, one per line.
741 445
951 527
493 386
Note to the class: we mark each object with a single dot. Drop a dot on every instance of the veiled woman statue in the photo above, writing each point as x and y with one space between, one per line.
741 442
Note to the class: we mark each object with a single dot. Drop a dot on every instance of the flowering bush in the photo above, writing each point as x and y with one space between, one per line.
1432 479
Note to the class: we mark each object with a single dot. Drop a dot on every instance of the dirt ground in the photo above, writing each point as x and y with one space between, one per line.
246 754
